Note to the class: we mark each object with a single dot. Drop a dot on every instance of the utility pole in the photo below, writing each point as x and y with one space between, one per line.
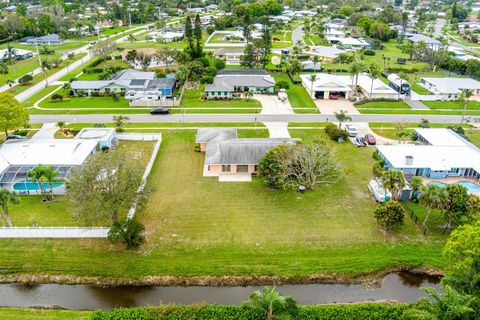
130 18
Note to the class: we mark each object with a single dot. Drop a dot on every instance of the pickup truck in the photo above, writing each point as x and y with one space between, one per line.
282 95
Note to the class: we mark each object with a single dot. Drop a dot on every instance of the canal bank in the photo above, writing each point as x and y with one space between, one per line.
399 287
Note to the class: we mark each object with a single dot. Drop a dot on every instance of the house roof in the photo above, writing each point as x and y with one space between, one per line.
15 52
128 78
324 51
223 146
227 79
242 71
446 150
348 41
417 37
452 85
224 51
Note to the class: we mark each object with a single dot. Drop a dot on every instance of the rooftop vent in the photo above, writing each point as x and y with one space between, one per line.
408 160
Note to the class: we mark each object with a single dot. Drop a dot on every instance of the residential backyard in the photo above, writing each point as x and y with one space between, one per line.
199 226
31 211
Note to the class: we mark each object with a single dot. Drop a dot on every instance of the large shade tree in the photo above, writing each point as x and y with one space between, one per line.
12 114
104 188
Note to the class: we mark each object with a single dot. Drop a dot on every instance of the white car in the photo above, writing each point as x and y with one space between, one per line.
282 95
352 131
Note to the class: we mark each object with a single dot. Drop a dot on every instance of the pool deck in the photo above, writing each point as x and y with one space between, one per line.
451 180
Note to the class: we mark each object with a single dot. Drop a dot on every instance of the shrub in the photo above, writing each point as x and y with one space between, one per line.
206 79
127 232
25 78
334 132
282 84
378 169
219 64
369 52
390 214
71 55
56 97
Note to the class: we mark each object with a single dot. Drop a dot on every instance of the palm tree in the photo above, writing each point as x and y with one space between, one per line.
432 197
312 78
295 66
120 122
354 70
342 116
248 95
463 98
393 180
374 73
11 58
450 304
316 60
268 301
50 176
3 69
7 197
38 175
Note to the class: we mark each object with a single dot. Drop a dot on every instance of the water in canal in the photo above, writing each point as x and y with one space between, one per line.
403 287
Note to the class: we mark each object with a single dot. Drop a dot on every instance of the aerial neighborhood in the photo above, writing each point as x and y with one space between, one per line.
240 160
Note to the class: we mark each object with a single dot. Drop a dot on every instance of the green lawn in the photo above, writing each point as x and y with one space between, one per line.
22 67
298 96
85 102
199 226
66 46
36 314
32 212
384 105
191 99
471 105
412 111
37 96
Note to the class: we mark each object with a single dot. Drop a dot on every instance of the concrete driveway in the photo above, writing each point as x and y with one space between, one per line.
272 105
363 129
331 106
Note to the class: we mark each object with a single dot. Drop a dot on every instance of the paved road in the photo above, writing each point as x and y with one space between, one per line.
297 35
54 77
99 118
437 30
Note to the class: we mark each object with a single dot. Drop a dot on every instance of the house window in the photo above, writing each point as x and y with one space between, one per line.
242 168
226 168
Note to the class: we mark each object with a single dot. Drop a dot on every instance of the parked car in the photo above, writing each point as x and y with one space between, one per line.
282 95
16 137
370 139
352 131
334 96
159 111
276 39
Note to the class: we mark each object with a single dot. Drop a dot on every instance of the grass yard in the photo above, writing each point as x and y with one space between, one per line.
66 46
435 105
22 67
298 96
32 212
191 99
384 105
199 226
38 314
421 112
85 102
37 96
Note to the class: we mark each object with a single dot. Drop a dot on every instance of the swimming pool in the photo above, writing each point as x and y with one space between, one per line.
28 184
471 187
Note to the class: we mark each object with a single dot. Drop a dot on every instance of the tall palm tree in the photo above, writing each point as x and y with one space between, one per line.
267 301
11 57
3 68
354 70
295 66
393 180
312 78
342 116
50 176
463 98
37 175
7 197
432 197
374 73
316 60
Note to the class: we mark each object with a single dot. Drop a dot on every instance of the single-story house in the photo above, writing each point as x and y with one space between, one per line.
327 86
349 43
166 36
331 32
326 54
441 154
18 157
226 154
48 40
309 65
230 55
458 53
230 82
17 54
127 80
450 88
431 43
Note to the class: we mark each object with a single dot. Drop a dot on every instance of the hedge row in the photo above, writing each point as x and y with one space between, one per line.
359 103
218 312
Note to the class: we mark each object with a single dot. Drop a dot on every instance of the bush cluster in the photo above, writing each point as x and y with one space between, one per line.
368 311
334 132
